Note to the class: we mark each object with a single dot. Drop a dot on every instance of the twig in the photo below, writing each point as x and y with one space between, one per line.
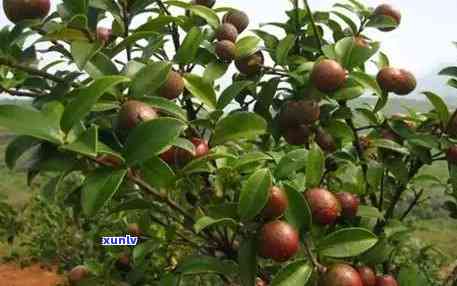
366 127
320 268
126 19
22 93
313 25
37 72
415 202
381 196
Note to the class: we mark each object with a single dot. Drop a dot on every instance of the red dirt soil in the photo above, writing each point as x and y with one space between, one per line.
34 275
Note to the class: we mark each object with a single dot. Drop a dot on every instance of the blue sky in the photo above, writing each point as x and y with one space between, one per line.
422 43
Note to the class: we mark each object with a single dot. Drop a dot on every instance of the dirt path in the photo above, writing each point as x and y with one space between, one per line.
35 275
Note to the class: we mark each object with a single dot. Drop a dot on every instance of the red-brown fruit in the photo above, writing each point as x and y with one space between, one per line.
340 275
278 241
328 76
277 203
173 87
134 112
324 205
123 262
349 204
206 3
398 81
260 282
109 160
77 274
250 65
19 10
325 140
361 42
296 135
134 230
238 19
228 32
367 275
388 11
451 154
104 34
225 50
170 156
386 280
201 147
298 112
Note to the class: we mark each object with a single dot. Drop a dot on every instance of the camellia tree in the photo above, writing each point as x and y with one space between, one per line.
269 176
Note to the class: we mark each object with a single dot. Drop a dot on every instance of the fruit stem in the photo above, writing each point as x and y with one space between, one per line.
319 267
313 25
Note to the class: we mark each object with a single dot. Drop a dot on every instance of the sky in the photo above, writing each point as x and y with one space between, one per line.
422 43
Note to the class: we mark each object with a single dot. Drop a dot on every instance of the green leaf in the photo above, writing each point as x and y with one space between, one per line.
27 121
86 144
214 70
129 41
350 90
369 212
352 54
347 242
189 47
206 221
449 71
315 166
366 81
250 158
206 13
391 145
347 20
411 275
383 61
254 194
83 51
291 162
247 261
283 49
86 98
297 213
157 173
17 147
150 78
205 264
240 125
271 42
99 188
201 89
166 106
296 273
231 92
99 66
380 21
151 138
247 46
439 105
170 279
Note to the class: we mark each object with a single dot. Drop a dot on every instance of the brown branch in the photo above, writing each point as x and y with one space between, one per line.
414 203
319 267
22 93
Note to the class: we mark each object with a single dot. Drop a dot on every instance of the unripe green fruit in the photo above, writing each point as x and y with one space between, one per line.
451 155
19 10
226 50
296 135
367 275
173 87
277 203
388 11
341 275
134 112
398 81
298 112
228 32
328 76
77 274
250 65
324 205
238 19
386 280
349 204
325 140
279 241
